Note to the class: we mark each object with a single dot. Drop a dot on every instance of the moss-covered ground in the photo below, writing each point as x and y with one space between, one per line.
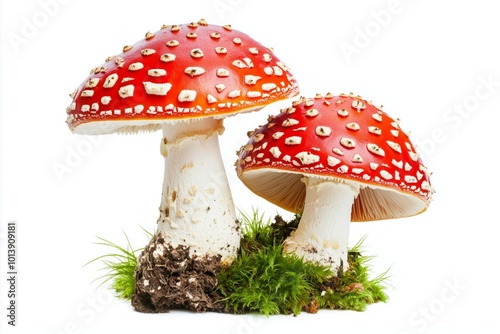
264 280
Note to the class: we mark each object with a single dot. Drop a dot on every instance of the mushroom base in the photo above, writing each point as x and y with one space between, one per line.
169 278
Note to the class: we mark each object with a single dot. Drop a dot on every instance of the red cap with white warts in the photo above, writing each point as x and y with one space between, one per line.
342 137
180 72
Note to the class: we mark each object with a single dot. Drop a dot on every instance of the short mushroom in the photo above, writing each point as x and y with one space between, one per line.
184 79
335 159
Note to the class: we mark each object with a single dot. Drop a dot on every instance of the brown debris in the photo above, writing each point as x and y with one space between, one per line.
168 278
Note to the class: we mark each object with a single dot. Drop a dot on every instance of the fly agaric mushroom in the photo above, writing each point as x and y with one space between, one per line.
336 159
184 79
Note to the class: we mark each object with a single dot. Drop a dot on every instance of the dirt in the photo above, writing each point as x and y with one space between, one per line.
168 278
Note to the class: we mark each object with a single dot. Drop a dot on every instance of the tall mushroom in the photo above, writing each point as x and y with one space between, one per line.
184 79
336 159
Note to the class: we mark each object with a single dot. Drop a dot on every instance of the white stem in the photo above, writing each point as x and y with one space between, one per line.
197 208
323 232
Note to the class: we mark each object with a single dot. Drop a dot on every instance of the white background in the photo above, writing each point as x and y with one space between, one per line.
433 65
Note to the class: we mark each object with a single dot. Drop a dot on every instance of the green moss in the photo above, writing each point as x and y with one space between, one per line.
119 267
263 280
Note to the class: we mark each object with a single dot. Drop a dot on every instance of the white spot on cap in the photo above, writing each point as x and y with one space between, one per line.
357 171
374 130
398 164
307 158
92 83
157 88
126 91
87 93
377 117
293 140
254 94
395 146
323 131
343 169
157 72
373 165
240 63
138 108
253 51
147 52
222 72
220 87
187 95
211 99
267 57
357 158
85 108
395 133
332 161
221 50
414 156
289 122
282 65
386 175
357 104
347 142
275 151
257 138
194 71
337 151
136 66
167 57
234 94
426 185
172 42
352 126
105 100
268 86
251 79
375 149
343 112
312 112
196 53
268 70
277 71
278 135
410 179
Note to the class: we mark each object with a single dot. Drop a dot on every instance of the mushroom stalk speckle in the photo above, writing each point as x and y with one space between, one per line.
323 233
197 208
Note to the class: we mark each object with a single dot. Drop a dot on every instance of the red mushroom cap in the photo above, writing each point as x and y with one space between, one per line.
340 137
180 72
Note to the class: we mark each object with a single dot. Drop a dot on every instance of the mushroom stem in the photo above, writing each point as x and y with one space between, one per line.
323 232
196 207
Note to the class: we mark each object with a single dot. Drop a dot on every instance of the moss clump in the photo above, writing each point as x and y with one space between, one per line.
119 267
263 280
